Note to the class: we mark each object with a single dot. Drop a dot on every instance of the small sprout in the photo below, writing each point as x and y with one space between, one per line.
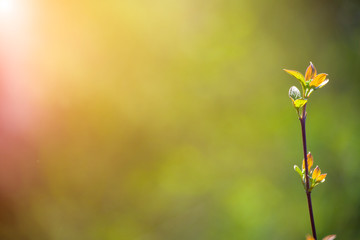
315 81
316 176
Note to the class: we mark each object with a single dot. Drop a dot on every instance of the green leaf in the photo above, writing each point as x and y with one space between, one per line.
298 170
296 74
299 103
294 93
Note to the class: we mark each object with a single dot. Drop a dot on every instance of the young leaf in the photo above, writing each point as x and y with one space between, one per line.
310 160
321 178
297 169
316 173
310 72
318 79
299 103
296 74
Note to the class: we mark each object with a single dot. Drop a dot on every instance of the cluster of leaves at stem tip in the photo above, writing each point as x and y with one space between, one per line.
311 82
315 176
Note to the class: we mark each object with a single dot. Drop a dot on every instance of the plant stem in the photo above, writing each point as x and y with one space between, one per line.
302 121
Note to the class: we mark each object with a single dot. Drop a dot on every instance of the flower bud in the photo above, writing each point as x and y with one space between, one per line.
294 93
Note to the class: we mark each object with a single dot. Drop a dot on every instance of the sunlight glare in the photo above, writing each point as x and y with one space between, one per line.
6 7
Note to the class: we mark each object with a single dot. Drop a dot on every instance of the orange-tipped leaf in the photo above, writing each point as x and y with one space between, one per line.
310 161
318 79
321 178
310 72
316 173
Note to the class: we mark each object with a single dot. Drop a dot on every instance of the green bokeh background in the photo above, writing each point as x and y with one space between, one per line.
170 120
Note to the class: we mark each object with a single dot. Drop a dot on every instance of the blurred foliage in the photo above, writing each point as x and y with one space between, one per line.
170 120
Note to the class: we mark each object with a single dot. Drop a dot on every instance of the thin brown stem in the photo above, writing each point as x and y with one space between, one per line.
308 196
